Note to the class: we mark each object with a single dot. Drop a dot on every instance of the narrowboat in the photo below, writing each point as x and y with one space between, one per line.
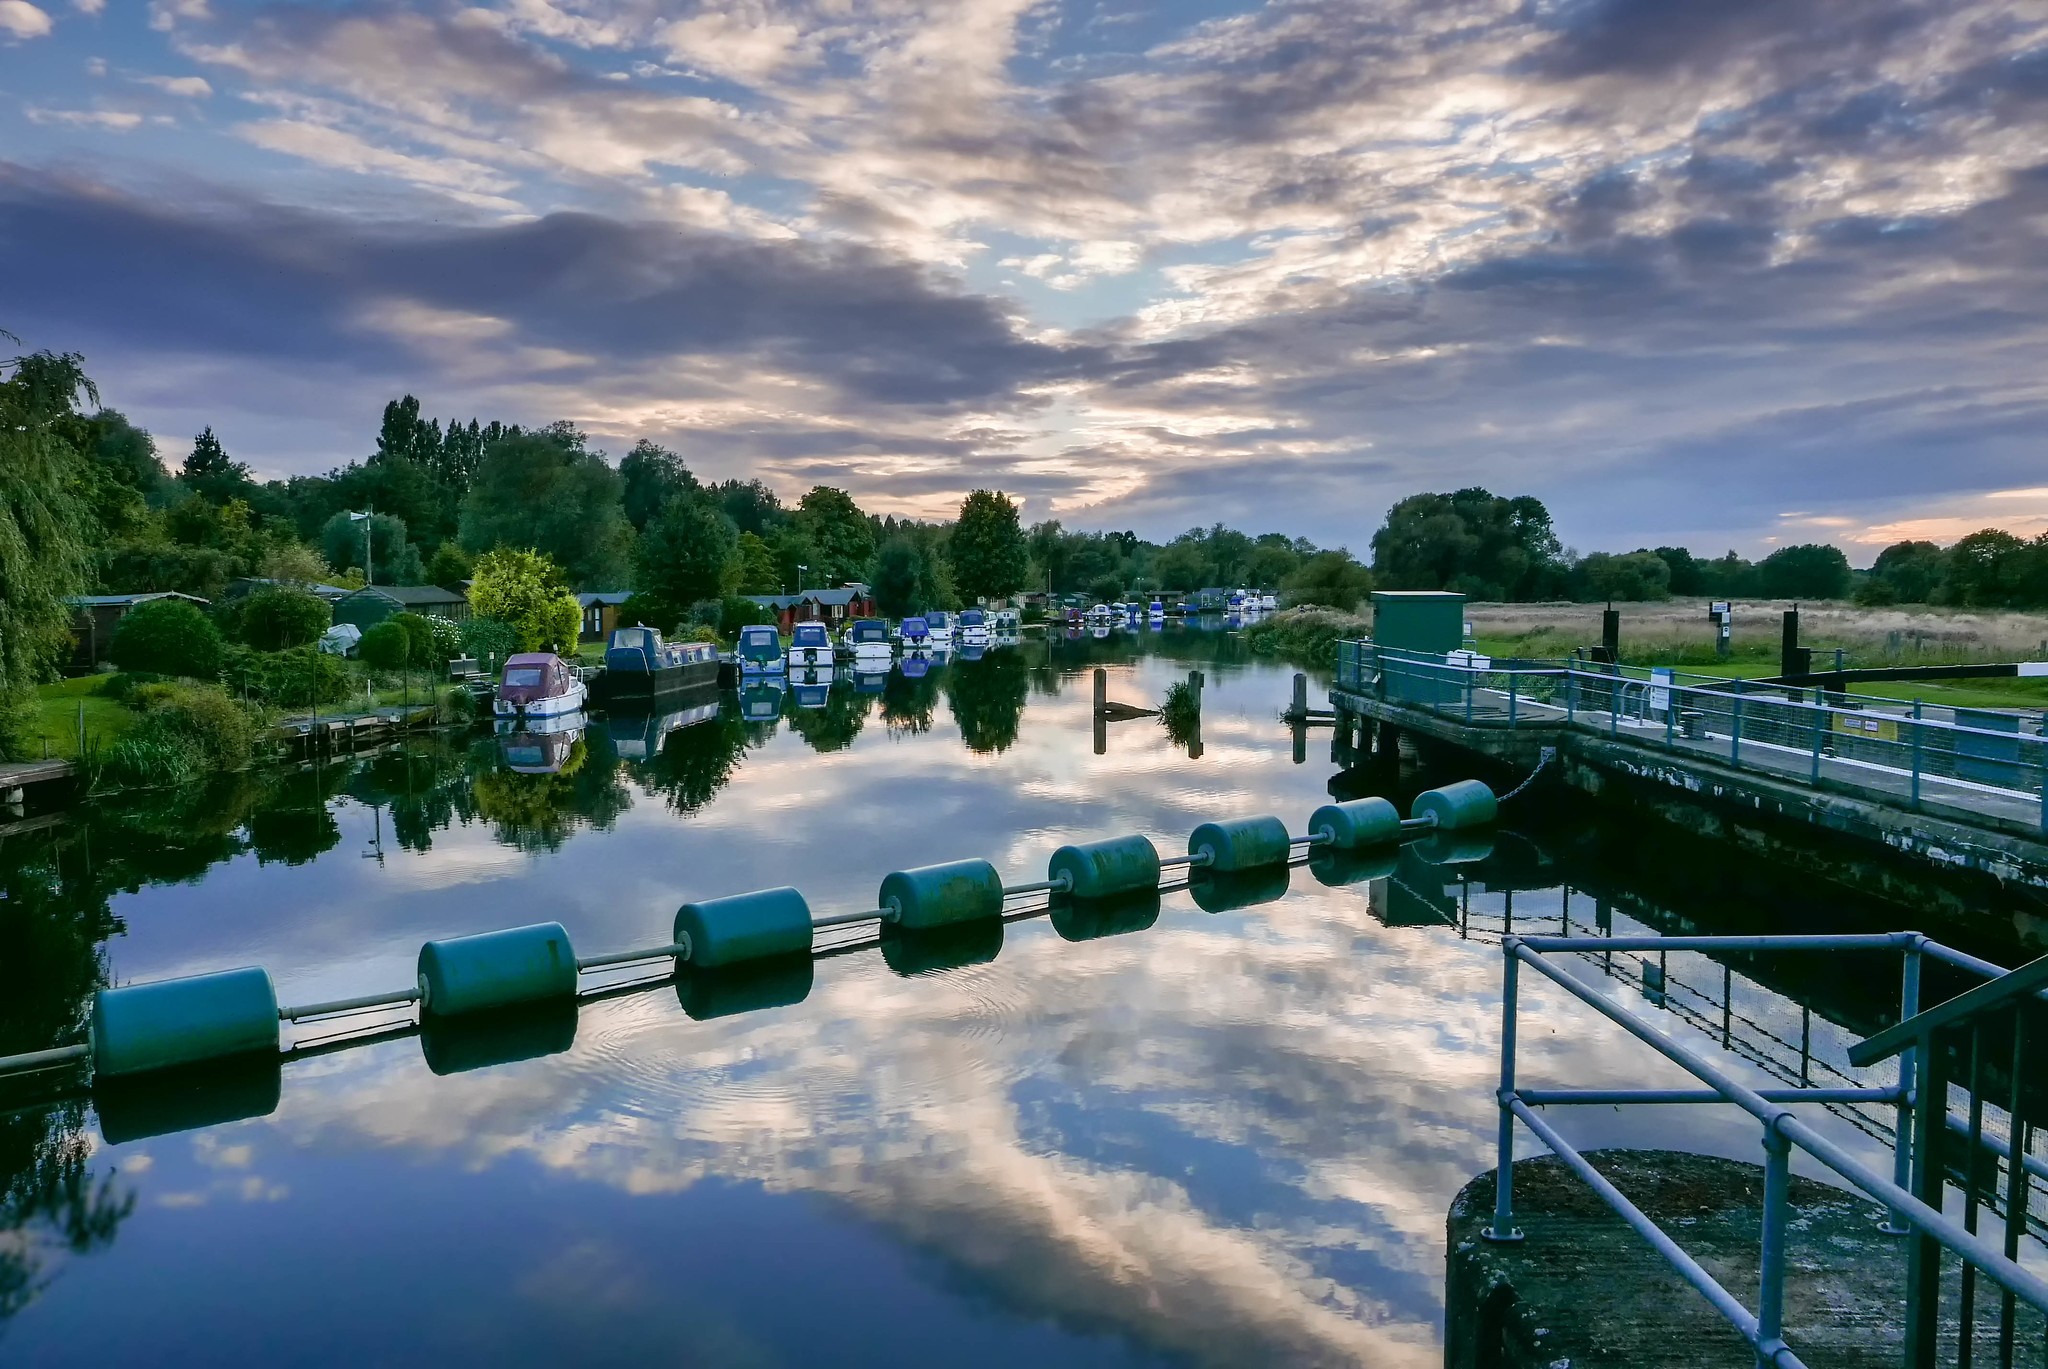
973 628
760 650
939 627
538 684
638 664
868 639
810 646
915 634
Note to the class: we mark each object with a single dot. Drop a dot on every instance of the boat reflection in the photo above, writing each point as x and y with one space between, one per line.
540 746
639 736
761 700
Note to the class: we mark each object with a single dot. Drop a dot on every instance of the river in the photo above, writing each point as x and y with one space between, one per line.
1173 1136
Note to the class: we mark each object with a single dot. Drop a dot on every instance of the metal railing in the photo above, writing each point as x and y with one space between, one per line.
1976 763
1925 1131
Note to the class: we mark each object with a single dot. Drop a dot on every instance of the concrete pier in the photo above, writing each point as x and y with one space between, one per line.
1583 1291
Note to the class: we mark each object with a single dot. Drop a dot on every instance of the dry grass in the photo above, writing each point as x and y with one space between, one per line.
1677 631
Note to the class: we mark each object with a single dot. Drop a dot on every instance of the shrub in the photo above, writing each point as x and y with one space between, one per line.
387 646
447 637
167 637
280 617
736 613
186 732
303 677
1307 636
419 638
488 637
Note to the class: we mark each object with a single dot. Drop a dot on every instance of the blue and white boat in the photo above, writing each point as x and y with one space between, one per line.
915 635
810 646
973 628
939 627
760 650
867 639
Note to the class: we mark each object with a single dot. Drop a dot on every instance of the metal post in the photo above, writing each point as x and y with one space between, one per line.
1735 727
1770 1302
1512 678
1503 1228
1916 754
1923 1254
1818 715
1895 1223
2018 1188
1571 693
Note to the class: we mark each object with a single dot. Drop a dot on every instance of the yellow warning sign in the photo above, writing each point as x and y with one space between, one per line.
1876 726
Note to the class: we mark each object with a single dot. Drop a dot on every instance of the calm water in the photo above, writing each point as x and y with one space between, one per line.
1215 1138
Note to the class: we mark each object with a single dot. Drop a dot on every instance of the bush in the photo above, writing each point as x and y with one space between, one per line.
303 678
488 637
735 613
387 646
185 732
1306 636
167 637
1332 579
447 637
644 609
281 617
419 638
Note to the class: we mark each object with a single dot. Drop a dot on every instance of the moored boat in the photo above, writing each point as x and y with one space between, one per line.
915 634
868 640
939 628
973 628
760 650
538 684
810 646
638 664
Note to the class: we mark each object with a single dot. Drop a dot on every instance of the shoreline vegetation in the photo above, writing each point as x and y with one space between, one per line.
520 520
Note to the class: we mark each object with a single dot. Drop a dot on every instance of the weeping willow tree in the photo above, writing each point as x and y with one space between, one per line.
44 552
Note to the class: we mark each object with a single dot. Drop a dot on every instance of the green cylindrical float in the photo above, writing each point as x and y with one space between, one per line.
142 1027
1339 867
743 927
1238 888
727 991
1103 869
1092 918
465 974
939 895
1462 803
1454 848
914 951
1356 823
500 1036
1240 843
133 1107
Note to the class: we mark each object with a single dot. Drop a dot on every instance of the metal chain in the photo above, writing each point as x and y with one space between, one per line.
1527 782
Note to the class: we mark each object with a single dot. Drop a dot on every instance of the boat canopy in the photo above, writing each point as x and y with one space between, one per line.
760 640
938 620
810 635
868 630
915 627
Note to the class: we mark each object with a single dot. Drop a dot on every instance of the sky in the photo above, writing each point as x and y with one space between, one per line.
1736 273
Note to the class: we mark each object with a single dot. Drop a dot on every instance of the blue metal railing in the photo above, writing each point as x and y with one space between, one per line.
1974 763
1913 1196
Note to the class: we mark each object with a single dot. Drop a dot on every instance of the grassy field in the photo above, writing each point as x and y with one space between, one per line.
1676 633
58 710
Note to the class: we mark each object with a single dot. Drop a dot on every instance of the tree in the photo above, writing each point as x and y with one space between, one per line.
987 550
649 477
293 563
387 646
758 573
1912 570
896 587
419 634
44 552
450 567
281 616
1633 577
167 637
544 492
687 553
1983 569
524 590
212 474
394 560
842 538
1472 541
405 436
1811 570
1272 559
1181 566
1331 578
1688 575
751 505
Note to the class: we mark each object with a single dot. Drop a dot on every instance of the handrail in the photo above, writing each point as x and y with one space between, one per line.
1917 1209
2008 986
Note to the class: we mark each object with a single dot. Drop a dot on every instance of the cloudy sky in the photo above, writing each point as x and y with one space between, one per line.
1720 273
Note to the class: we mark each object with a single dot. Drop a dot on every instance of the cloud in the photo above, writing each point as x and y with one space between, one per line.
19 19
120 121
191 87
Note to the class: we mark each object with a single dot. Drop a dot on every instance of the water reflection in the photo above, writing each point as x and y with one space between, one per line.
1218 1126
